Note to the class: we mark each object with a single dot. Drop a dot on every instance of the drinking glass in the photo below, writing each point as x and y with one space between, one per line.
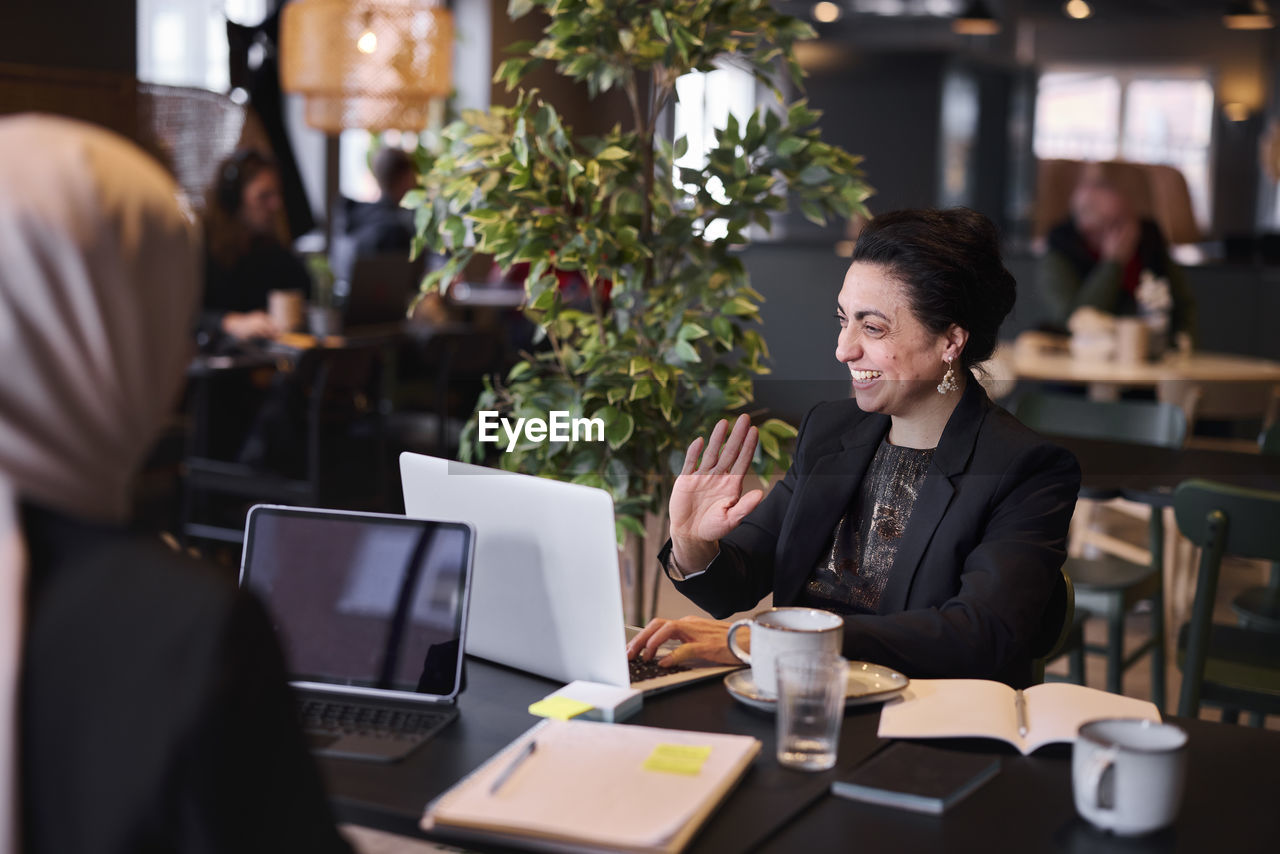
811 689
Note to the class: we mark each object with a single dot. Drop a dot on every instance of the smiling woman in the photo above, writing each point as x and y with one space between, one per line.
926 515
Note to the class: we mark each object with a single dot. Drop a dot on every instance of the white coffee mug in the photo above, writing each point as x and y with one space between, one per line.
780 630
1128 774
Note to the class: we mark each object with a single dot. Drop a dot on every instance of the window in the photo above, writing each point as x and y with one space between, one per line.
184 42
1141 116
706 99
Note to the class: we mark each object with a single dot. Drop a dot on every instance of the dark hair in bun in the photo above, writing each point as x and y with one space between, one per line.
949 262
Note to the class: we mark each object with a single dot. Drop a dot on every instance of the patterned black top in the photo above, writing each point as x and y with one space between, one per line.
853 575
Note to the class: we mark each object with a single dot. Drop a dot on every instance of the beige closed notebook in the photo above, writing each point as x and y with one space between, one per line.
591 786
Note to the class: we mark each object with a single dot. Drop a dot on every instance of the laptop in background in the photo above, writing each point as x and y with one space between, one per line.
546 593
371 610
379 291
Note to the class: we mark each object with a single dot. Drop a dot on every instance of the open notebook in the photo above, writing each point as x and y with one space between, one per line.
595 787
962 708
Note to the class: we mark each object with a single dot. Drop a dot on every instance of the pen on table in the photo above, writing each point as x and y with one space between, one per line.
1020 706
525 753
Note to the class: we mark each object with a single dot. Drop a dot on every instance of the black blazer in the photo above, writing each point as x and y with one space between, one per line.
975 567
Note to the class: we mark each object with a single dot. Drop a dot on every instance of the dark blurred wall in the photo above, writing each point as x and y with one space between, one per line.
887 108
936 128
98 35
72 57
571 100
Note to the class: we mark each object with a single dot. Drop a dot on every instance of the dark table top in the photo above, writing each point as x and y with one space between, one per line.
1149 474
1232 771
1233 783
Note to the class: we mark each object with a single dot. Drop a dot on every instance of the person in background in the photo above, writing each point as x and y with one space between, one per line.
926 515
146 691
245 259
383 230
381 227
1106 258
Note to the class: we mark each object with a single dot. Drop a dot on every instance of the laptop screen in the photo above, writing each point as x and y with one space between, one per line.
362 600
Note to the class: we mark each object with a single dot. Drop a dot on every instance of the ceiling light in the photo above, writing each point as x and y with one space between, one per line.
826 13
1077 9
374 65
1235 111
976 20
1248 15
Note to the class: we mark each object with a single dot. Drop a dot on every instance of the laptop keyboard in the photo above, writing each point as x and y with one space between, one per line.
642 670
328 717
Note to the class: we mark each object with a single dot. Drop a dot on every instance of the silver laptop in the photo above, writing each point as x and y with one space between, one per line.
371 610
546 594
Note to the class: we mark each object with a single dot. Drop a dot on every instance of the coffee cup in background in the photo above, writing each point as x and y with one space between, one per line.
285 309
784 630
1131 340
1127 775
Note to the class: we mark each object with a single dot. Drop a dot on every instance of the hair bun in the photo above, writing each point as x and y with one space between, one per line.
950 264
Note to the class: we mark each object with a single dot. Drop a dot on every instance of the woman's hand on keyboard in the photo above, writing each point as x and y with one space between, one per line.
701 638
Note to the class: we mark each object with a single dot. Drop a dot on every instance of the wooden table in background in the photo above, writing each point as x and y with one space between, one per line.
1105 378
1188 380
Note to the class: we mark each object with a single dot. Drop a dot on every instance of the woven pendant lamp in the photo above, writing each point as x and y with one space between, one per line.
368 64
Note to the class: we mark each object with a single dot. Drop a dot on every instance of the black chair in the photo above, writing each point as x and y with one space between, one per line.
440 374
1234 667
1269 441
1056 628
1259 607
330 403
1110 586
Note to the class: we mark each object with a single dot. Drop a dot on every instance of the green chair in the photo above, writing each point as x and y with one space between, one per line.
1269 441
1110 586
1056 628
1142 422
1228 666
1259 607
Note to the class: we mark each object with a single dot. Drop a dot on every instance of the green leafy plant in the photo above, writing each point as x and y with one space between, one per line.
664 340
321 280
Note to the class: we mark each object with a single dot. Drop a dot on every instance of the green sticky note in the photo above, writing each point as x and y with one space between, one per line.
677 759
560 708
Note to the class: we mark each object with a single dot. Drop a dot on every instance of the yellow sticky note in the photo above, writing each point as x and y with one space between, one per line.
677 759
560 708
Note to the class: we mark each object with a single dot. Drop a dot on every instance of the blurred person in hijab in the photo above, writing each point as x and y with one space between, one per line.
143 704
245 257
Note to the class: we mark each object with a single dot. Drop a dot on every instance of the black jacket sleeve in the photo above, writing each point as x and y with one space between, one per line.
742 574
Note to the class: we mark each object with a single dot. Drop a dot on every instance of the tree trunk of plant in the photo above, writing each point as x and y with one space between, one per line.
638 564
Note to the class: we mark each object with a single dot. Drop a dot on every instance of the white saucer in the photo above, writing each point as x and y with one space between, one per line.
867 683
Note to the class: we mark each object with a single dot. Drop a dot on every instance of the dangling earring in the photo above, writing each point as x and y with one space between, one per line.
948 379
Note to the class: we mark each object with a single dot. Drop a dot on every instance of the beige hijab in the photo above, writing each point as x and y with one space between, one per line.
99 270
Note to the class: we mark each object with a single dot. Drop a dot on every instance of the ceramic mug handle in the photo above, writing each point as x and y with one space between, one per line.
742 654
1097 767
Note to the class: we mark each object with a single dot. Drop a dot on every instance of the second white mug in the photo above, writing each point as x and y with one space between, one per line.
781 630
1128 775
